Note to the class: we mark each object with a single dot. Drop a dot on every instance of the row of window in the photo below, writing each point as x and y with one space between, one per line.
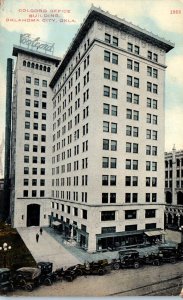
35 148
35 115
113 40
36 81
129 214
35 126
34 193
36 93
36 103
34 170
36 66
35 137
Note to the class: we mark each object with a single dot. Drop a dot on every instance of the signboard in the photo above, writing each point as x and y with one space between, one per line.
36 44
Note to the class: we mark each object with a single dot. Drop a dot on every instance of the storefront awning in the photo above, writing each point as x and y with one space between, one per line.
154 232
56 223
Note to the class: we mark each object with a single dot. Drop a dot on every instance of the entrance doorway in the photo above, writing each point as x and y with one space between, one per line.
33 215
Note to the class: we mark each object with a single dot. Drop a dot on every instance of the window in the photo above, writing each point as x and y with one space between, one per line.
28 91
106 73
128 147
25 193
136 49
130 47
154 150
107 215
128 180
130 214
129 97
112 180
105 162
26 147
129 80
108 229
26 181
155 73
129 114
148 150
104 197
149 55
127 197
105 179
148 165
113 128
26 159
135 131
35 137
113 164
130 227
149 71
147 197
114 110
148 134
114 58
112 197
155 88
115 41
84 214
136 115
36 81
148 118
149 86
155 119
36 115
155 57
44 94
105 144
35 126
114 93
113 145
114 76
129 64
106 109
27 136
26 170
154 135
150 213
107 91
107 56
136 66
154 166
36 93
27 102
44 83
36 103
136 82
107 38
28 79
105 126
154 197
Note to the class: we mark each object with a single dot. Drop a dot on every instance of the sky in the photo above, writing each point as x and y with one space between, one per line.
60 22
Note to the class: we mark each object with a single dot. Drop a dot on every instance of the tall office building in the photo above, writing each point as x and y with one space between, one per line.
108 133
31 135
103 147
174 189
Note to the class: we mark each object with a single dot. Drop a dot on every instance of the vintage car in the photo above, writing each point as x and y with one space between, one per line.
168 253
127 258
47 275
27 278
6 283
99 267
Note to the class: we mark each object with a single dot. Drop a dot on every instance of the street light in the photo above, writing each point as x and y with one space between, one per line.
4 250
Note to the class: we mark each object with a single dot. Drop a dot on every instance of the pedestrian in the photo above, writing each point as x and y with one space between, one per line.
41 230
37 237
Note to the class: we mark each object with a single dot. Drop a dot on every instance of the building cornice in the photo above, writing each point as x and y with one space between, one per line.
96 14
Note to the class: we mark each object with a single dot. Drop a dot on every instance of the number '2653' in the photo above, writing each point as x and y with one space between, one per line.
175 11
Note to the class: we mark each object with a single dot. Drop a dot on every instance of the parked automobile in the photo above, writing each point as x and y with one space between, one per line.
127 258
168 253
47 275
26 278
6 283
100 267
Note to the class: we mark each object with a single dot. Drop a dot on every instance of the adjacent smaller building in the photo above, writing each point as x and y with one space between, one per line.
174 189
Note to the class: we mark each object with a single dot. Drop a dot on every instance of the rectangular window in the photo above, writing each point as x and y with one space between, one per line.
149 86
155 73
150 213
105 179
107 215
107 91
107 38
104 197
129 114
136 82
28 79
112 180
113 128
115 41
113 145
148 197
112 197
105 144
128 147
149 71
128 180
106 73
106 109
27 102
107 56
114 76
129 80
136 49
114 111
130 214
149 55
28 91
36 81
130 47
105 162
127 197
155 88
155 57
114 58
135 115
36 93
113 164
105 126
114 93
129 64
129 97
136 66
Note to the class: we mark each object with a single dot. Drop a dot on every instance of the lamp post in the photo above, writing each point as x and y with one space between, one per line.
4 249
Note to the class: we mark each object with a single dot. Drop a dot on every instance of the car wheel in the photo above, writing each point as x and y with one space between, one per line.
156 262
136 265
100 272
29 287
173 260
48 281
116 266
80 272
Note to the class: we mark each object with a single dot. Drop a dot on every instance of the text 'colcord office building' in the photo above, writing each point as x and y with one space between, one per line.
88 135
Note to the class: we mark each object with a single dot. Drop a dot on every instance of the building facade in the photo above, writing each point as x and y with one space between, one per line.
174 189
31 138
108 134
88 135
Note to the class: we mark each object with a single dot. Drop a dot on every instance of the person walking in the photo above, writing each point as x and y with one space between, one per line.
41 231
37 237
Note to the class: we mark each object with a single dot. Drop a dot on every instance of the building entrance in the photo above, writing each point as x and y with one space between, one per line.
33 215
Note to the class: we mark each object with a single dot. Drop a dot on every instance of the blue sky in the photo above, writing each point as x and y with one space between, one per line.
153 15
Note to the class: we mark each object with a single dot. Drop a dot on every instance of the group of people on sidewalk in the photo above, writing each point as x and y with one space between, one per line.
37 234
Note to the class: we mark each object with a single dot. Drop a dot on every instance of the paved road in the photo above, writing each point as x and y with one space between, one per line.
47 248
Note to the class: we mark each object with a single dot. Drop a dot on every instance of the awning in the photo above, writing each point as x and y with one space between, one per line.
56 223
154 232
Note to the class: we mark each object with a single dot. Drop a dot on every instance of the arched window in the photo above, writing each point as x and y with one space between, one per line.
37 66
44 68
28 64
24 63
48 69
32 65
40 67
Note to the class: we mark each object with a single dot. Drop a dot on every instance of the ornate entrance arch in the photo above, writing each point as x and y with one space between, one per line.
33 215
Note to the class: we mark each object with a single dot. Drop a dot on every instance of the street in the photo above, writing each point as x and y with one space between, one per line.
121 282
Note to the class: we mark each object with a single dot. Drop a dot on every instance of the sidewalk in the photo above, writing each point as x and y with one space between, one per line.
47 248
